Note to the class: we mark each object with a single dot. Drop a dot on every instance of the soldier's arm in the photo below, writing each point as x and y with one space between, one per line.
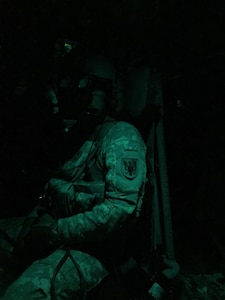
125 171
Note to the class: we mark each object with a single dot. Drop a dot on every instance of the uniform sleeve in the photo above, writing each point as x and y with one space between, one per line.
125 169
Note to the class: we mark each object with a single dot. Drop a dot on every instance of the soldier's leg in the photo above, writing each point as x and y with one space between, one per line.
10 265
12 232
59 276
11 229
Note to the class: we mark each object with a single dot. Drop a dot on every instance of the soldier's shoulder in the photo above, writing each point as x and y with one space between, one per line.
123 130
124 127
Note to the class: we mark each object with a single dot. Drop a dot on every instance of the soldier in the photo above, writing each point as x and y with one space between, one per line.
88 205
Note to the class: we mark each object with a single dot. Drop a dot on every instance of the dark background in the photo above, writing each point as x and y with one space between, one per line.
183 40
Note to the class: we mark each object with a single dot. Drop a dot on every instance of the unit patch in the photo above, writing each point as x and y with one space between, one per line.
129 167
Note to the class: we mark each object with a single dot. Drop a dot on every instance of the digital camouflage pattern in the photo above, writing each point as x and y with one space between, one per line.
35 282
122 193
119 162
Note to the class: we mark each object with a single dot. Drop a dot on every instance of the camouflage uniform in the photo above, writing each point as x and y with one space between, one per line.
117 164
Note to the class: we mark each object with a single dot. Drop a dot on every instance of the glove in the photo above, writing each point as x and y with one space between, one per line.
43 236
173 267
161 281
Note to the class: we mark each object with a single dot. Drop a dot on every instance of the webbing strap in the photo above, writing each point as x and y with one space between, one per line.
67 255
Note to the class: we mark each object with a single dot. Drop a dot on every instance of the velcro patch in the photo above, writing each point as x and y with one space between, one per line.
129 167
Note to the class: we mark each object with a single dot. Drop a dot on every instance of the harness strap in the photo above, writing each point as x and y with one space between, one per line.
83 290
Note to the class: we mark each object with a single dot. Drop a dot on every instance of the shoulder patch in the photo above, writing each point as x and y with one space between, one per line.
129 167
